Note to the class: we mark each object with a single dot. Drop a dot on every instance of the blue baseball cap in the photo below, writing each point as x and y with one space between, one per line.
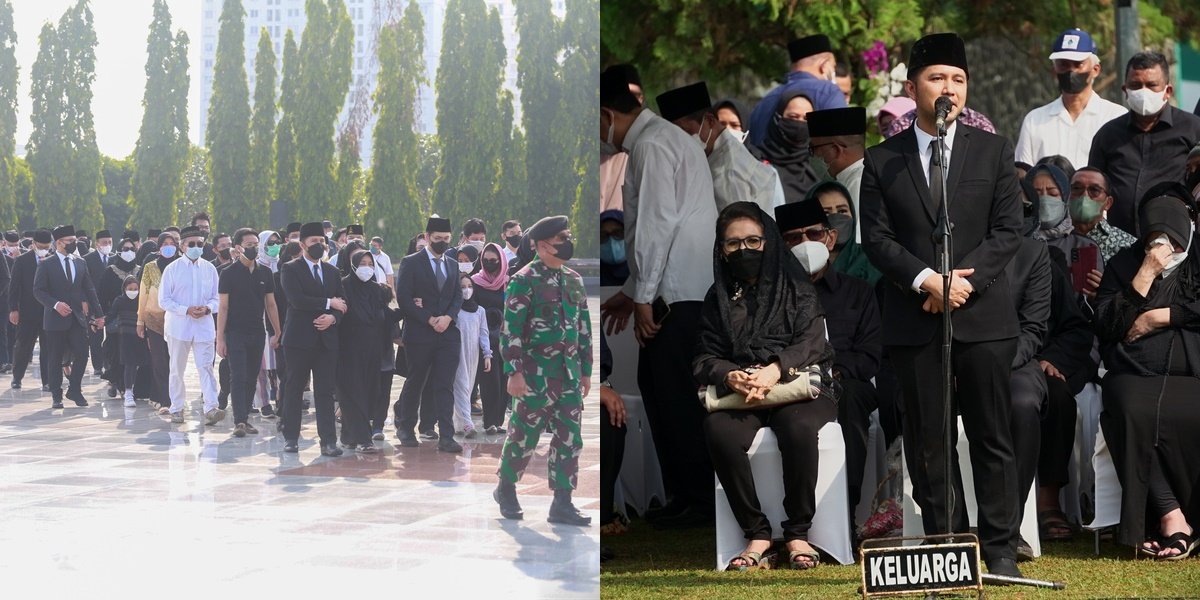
1073 44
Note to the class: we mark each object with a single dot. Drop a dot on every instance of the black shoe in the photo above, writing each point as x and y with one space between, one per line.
77 398
606 554
1024 551
429 435
1004 566
449 445
505 495
112 391
330 450
222 400
45 387
407 440
16 385
267 411
56 403
562 511
291 446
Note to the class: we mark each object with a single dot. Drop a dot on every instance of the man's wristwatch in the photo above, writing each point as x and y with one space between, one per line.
606 384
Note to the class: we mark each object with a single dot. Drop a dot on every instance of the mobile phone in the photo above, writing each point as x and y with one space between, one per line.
1084 260
660 310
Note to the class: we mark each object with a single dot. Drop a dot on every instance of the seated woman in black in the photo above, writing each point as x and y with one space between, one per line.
763 325
1148 322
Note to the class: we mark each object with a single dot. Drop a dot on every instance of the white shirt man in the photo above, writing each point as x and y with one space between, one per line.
189 295
1051 130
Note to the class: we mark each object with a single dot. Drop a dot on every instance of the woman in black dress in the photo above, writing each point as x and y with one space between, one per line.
110 286
1148 322
363 331
762 325
490 283
131 350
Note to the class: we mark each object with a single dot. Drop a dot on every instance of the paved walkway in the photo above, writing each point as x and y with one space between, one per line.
114 500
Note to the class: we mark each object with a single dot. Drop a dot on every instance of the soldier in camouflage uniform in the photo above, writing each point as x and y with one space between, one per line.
547 350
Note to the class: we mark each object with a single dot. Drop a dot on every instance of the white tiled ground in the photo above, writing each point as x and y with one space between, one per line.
118 502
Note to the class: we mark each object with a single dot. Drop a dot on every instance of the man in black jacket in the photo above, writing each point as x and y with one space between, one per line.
310 338
430 297
64 288
11 247
24 311
97 261
900 189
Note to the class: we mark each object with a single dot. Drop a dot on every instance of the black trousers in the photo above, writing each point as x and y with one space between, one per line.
160 367
433 364
224 378
983 372
322 363
1028 410
71 342
379 408
5 343
244 351
676 416
1058 434
492 385
428 405
612 455
859 399
96 347
729 434
28 333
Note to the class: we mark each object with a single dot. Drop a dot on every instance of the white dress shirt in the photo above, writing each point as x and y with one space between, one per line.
670 213
65 262
738 176
186 283
1048 130
851 177
923 141
439 263
383 266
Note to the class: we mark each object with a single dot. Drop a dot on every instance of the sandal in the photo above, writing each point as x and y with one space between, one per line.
751 561
1151 547
812 555
1051 520
1180 541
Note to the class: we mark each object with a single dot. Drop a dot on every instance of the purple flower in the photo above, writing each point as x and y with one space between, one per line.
876 58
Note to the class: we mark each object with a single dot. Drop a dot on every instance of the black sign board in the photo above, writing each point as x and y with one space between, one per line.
891 569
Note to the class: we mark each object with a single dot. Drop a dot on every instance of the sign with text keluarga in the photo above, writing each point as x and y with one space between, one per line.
891 569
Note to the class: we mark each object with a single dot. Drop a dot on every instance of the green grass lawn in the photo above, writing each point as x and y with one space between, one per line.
679 564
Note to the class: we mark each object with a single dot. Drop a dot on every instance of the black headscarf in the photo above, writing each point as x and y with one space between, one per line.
146 252
472 255
346 258
1030 208
124 265
365 297
786 148
782 293
469 304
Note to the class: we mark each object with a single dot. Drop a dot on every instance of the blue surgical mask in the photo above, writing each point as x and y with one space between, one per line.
167 251
194 254
613 251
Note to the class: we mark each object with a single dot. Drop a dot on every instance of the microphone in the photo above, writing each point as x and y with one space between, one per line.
942 108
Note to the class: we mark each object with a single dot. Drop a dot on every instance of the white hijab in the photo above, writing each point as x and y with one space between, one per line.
270 262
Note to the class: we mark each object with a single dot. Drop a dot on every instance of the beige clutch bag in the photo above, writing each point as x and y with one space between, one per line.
803 388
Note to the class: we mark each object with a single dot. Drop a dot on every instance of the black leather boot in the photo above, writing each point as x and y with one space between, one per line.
562 511
506 496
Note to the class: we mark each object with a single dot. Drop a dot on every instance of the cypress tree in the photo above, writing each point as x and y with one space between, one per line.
228 135
8 115
285 141
326 55
262 132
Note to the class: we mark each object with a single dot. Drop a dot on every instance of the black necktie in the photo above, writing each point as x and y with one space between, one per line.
104 260
317 273
935 174
67 268
440 273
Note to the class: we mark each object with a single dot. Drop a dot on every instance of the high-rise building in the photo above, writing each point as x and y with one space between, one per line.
368 16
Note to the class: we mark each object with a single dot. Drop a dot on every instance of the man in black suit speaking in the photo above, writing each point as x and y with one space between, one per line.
316 304
899 209
64 288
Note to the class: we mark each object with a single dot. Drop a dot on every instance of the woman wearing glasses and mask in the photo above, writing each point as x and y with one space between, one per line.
762 327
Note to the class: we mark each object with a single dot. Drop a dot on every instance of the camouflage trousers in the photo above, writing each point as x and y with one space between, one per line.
552 404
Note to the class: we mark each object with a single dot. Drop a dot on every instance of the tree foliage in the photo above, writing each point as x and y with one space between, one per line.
162 147
392 189
228 134
197 186
326 55
285 140
262 136
8 114
62 152
118 180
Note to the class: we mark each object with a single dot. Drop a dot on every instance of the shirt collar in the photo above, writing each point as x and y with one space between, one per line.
310 262
60 255
1165 117
923 138
639 126
429 253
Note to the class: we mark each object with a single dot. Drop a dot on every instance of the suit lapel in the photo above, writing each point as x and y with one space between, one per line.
957 158
912 156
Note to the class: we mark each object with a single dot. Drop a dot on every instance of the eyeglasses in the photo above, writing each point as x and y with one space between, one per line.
797 237
732 245
194 245
1093 191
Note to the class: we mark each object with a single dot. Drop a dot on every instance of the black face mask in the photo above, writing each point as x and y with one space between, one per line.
1072 82
70 247
513 240
316 251
844 224
491 265
564 250
744 264
224 254
250 253
82 246
795 133
439 247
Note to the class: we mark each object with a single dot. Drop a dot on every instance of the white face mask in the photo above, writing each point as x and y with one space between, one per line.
467 293
607 147
105 249
1145 101
364 273
1177 258
703 141
740 135
41 252
128 255
133 294
465 267
813 256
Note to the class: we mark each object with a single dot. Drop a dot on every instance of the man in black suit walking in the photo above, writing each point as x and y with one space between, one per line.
97 261
64 288
310 338
24 311
429 294
901 186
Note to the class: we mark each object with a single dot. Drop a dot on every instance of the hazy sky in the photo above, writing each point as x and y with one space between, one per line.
121 30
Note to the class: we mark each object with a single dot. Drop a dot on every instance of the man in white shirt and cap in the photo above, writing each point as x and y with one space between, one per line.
189 295
1066 125
737 176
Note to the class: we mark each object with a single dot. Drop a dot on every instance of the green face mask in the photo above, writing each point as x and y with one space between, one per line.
1084 210
273 250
